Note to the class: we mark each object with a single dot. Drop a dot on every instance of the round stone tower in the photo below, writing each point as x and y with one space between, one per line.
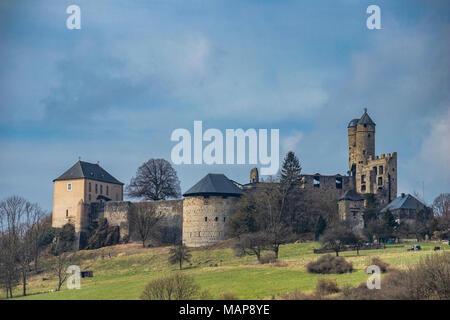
352 144
207 206
365 138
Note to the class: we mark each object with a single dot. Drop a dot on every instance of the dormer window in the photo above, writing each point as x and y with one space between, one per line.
69 186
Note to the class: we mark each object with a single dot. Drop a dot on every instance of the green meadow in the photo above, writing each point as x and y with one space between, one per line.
216 271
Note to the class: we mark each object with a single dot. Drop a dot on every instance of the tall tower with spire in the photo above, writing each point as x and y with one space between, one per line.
361 138
372 174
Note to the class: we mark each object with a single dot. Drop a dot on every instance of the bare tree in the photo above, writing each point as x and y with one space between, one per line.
337 237
179 254
61 247
252 244
144 221
441 205
156 179
441 210
11 212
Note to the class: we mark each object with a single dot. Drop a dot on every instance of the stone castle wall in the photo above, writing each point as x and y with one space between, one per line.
326 186
204 219
378 175
117 212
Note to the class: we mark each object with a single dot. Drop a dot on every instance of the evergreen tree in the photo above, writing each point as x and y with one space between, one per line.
290 172
321 225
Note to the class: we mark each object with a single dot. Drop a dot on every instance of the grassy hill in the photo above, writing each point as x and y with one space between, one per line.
131 267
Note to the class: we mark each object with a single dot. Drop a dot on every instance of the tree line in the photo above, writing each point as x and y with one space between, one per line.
25 231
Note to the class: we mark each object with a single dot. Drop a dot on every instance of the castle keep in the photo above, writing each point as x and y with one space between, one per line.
86 193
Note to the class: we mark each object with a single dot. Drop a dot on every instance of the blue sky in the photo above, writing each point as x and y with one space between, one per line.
115 90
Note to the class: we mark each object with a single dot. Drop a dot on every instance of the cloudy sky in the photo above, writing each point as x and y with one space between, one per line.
116 89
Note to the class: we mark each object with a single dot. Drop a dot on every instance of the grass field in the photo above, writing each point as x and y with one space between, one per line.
131 267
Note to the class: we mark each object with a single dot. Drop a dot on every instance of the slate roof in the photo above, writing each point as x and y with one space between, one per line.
365 119
214 184
86 170
351 195
353 123
405 201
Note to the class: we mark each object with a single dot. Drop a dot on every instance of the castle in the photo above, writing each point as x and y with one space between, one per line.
86 192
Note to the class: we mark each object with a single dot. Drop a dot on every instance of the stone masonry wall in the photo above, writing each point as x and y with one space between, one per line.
326 186
204 219
116 212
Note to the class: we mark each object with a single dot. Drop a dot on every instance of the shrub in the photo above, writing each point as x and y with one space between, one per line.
380 263
329 264
428 279
280 264
174 287
297 295
228 296
268 258
326 286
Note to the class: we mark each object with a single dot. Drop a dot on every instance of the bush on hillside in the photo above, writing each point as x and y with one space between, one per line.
228 296
175 287
268 258
380 263
326 286
329 264
429 279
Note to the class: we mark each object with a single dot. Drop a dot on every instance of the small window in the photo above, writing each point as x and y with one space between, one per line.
90 197
96 188
206 219
375 170
380 169
363 178
67 212
101 189
338 182
107 190
224 218
216 219
117 197
90 187
317 181
363 188
69 187
380 181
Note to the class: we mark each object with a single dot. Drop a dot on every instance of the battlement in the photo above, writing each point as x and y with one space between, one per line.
383 156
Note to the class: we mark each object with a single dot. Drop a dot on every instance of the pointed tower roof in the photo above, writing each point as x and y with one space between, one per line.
353 123
86 170
365 119
214 184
